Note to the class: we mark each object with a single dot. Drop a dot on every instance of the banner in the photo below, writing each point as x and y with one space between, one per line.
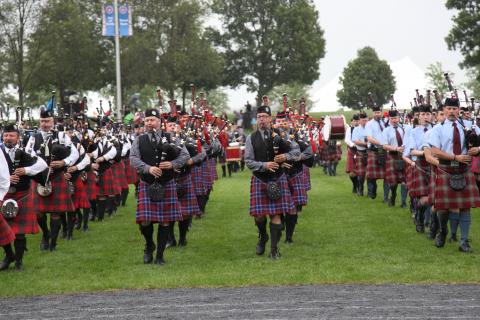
124 20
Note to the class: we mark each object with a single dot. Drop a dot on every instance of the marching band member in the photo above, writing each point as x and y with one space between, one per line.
455 187
157 196
22 168
269 191
56 148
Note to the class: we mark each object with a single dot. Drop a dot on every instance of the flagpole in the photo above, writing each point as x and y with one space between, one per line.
117 61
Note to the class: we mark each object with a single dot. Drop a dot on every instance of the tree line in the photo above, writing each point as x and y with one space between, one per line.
57 45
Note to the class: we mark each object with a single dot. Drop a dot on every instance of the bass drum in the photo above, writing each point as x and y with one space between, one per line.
334 128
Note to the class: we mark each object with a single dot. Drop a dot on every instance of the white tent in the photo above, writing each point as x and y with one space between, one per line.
408 77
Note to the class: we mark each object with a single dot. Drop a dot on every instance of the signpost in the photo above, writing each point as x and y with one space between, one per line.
117 22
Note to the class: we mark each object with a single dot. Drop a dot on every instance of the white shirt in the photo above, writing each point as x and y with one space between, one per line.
4 176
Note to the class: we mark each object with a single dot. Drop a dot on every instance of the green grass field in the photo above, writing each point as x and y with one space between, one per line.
340 239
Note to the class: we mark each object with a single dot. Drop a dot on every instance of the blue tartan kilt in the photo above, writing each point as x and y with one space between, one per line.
298 189
261 205
198 182
207 175
188 203
163 211
306 176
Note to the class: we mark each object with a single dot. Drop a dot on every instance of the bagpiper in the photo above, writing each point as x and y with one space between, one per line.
455 187
155 159
56 148
23 219
265 152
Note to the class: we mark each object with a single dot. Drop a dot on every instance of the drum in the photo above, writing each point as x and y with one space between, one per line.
233 153
334 128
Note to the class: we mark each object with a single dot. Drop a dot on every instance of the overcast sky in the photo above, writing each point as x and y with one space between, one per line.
395 28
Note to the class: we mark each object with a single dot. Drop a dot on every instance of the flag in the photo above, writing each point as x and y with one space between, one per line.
51 104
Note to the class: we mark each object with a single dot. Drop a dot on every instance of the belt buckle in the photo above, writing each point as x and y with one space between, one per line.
454 164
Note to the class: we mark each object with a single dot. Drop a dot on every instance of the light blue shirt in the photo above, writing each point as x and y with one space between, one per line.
416 140
442 137
359 133
374 129
389 136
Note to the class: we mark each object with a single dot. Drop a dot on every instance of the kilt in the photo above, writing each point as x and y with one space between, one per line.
374 171
261 205
409 178
339 153
130 172
431 185
331 154
420 179
198 182
350 165
92 188
298 189
188 203
163 211
393 176
476 165
6 234
207 175
59 201
26 220
122 176
118 172
106 185
213 169
306 176
360 167
447 198
80 197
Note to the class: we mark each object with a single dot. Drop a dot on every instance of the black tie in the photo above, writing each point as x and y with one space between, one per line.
153 138
266 135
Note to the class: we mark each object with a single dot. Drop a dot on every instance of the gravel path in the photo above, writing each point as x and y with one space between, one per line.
302 302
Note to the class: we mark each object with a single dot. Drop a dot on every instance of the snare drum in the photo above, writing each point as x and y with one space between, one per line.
233 153
334 128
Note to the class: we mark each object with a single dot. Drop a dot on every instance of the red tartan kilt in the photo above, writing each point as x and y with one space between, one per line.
6 234
59 201
188 203
431 185
420 180
393 176
447 198
261 205
122 176
118 176
331 155
360 167
167 210
80 197
130 172
339 153
26 220
322 154
106 185
408 177
374 171
476 165
298 189
350 165
92 188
